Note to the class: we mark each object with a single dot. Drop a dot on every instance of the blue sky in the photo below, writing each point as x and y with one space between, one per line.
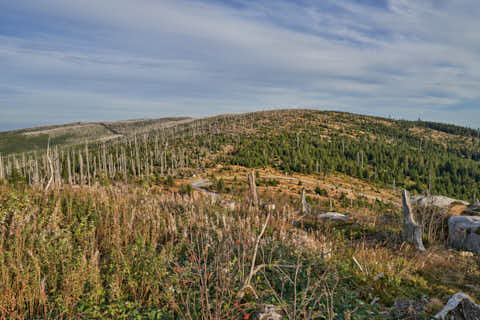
64 61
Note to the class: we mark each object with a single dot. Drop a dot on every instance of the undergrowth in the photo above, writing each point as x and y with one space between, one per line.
126 252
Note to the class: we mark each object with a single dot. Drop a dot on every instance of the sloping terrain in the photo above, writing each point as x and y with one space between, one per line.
161 223
33 139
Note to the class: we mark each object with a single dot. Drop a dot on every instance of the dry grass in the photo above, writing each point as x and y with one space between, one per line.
114 251
68 254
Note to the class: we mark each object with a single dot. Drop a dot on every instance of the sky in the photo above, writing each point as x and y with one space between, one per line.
66 60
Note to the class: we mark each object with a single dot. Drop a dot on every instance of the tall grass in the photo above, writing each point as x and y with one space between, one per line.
94 253
127 252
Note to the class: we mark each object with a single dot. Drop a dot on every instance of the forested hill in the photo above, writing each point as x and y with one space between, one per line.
420 156
295 211
31 139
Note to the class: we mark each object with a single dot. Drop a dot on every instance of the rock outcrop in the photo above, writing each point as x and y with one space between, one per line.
464 233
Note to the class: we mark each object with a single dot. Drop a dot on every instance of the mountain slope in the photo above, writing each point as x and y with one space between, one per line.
33 139
160 223
393 153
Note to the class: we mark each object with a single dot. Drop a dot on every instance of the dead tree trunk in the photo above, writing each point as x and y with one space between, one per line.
58 169
24 166
69 169
2 171
306 208
80 161
29 170
137 158
104 160
412 232
95 168
52 172
112 166
36 174
253 189
74 169
87 161
124 165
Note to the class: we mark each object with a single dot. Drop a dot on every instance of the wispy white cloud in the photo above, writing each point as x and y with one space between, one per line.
407 58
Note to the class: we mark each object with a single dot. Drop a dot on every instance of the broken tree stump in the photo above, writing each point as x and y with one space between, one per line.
412 232
253 189
306 208
459 306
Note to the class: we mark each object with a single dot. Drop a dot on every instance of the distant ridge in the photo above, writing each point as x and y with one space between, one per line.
36 138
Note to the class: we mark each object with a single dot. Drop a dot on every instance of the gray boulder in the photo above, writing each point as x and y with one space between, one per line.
464 233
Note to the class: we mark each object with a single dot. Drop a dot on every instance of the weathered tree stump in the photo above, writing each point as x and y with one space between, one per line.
253 189
459 306
412 232
306 208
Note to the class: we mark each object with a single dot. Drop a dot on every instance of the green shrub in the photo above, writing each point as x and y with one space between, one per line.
170 181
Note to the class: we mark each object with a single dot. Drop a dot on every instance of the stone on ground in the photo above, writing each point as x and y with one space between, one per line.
464 233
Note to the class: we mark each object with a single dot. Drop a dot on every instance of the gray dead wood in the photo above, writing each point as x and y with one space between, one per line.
412 232
459 306
306 208
253 189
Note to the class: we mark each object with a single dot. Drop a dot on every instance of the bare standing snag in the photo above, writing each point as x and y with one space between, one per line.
412 232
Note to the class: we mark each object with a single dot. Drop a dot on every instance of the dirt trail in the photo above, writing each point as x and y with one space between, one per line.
200 185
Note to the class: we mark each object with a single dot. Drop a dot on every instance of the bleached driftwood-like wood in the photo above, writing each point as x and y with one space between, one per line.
468 309
36 174
87 161
69 169
306 208
58 169
2 171
80 161
52 172
333 216
74 178
412 232
253 189
247 285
